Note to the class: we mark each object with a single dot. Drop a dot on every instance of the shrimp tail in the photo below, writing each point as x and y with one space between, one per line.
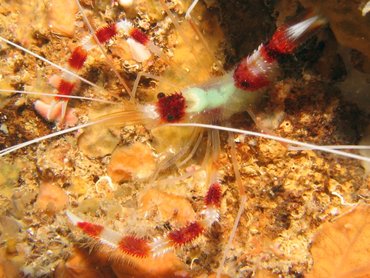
258 70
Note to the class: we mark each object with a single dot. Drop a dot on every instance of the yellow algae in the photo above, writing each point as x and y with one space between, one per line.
4 85
170 138
7 267
97 142
78 186
191 63
9 175
89 205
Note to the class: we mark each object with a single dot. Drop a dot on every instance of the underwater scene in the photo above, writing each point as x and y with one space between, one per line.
184 138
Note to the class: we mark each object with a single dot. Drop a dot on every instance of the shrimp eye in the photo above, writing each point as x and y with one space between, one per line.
160 95
171 108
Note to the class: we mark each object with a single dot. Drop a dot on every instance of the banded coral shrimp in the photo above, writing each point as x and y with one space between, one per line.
273 190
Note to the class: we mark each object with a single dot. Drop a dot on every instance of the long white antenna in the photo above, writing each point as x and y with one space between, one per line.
336 147
276 138
61 132
47 61
59 96
109 60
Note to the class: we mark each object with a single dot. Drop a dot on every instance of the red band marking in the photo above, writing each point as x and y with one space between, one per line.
267 54
65 88
213 197
90 229
171 108
245 79
281 43
77 58
104 34
134 246
139 36
186 234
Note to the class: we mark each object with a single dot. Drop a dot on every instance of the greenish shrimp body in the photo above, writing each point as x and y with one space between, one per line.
221 95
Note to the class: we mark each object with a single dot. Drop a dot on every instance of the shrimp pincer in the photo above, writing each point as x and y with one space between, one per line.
140 45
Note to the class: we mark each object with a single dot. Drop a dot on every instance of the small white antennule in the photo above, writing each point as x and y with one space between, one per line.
296 30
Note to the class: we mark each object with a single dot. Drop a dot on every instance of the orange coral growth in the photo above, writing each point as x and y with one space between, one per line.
51 198
133 162
81 265
341 249
165 266
7 267
62 17
169 206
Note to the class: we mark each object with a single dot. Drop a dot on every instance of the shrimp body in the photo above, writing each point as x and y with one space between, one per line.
241 87
222 94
